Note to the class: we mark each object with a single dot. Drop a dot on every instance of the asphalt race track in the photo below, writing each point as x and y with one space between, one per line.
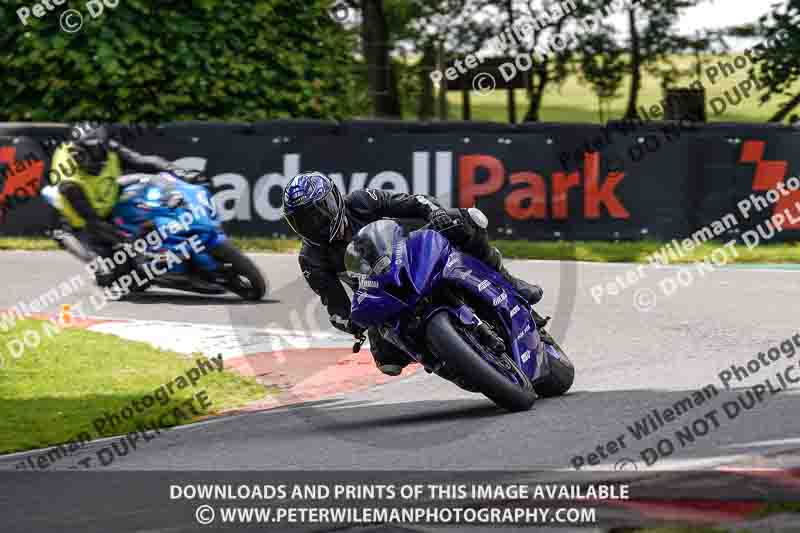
628 361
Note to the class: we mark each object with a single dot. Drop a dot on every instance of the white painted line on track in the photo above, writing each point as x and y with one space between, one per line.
216 339
671 464
760 443
737 267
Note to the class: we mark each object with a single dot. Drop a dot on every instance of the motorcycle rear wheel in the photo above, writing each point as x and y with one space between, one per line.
560 378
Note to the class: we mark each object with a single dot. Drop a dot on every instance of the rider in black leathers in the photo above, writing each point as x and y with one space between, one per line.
326 222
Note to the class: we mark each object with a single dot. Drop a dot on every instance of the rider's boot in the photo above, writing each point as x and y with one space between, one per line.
541 322
388 358
530 292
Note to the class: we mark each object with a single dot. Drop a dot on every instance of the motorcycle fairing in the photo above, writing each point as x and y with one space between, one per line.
426 258
143 202
491 288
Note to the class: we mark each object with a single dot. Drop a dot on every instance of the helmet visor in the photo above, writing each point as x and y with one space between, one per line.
320 221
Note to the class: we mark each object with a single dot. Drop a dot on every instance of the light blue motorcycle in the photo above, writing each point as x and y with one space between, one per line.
180 213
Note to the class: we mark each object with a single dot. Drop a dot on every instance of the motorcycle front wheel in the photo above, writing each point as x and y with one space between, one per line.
450 343
245 279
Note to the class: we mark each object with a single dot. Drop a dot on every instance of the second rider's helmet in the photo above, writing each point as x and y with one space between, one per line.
90 146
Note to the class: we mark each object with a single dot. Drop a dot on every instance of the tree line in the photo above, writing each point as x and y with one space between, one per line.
154 61
605 59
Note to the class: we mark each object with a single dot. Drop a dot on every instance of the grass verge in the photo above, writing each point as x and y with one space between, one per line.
33 244
55 391
595 251
640 251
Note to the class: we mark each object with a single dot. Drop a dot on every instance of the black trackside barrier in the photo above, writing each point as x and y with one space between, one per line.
197 128
295 127
379 127
621 180
24 167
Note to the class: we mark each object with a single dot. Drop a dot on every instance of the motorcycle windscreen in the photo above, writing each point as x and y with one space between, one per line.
369 254
374 258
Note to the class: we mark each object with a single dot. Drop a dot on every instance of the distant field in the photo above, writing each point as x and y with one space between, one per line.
575 102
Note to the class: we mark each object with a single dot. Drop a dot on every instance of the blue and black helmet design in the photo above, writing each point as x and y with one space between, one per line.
313 207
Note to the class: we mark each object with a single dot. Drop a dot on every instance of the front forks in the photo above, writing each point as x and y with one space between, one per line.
482 329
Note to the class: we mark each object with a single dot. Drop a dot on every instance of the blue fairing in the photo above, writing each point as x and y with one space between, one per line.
475 277
424 259
195 221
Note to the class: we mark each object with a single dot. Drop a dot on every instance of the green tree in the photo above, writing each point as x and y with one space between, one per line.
777 56
601 65
439 29
154 61
542 22
651 42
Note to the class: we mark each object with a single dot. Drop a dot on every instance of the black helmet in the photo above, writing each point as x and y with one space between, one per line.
314 208
90 146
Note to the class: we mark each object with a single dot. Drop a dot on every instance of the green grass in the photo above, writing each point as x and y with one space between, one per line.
34 244
574 101
771 508
247 244
594 251
638 251
258 244
53 392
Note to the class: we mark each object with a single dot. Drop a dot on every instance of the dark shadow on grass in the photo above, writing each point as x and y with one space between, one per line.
61 421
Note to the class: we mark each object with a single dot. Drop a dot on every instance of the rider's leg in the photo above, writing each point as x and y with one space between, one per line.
106 270
389 359
477 245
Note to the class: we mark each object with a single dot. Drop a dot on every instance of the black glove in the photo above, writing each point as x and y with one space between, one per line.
452 228
440 220
346 325
189 176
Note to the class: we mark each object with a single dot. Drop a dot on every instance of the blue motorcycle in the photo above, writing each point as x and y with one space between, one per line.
454 315
180 214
